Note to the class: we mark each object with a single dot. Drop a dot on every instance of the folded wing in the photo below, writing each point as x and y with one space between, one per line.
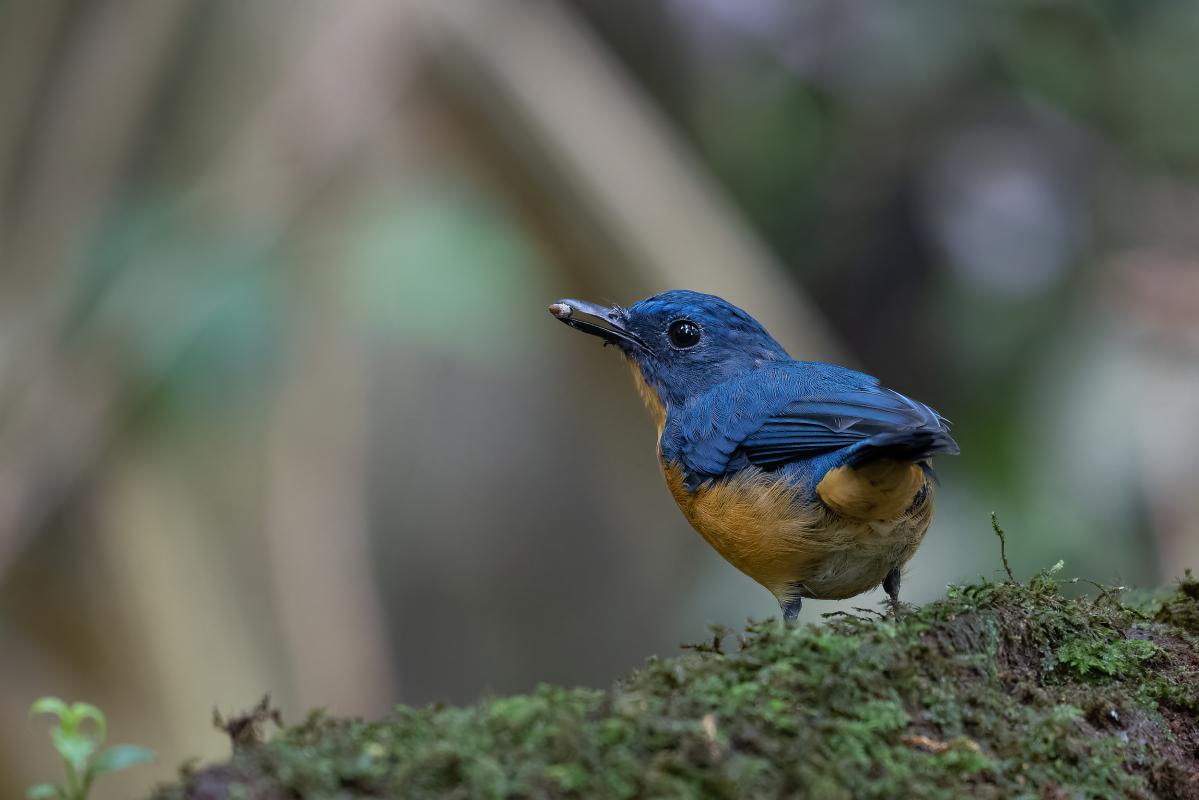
800 410
873 421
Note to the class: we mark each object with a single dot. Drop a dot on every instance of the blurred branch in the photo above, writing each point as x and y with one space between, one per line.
280 160
65 422
27 48
319 560
590 134
68 396
59 405
317 526
95 108
346 81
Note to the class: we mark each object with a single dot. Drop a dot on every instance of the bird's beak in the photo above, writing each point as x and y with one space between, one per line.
606 323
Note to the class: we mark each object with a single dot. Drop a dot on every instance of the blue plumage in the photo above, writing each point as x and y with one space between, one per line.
783 412
802 461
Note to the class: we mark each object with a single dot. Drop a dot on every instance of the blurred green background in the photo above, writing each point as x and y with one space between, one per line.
281 408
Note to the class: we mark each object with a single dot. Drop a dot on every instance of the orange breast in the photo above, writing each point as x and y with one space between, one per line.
756 522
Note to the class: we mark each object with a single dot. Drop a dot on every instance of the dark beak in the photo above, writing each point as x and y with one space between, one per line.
606 323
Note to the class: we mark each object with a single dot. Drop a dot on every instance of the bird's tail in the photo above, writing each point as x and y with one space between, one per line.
918 444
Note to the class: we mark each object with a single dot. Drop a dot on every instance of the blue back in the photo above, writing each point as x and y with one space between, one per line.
802 418
735 399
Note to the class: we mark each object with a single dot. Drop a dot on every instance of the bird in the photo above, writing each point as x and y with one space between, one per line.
811 478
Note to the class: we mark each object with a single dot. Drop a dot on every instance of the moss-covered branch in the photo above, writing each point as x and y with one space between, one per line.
999 690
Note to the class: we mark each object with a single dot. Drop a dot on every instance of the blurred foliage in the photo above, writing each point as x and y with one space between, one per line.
197 313
443 274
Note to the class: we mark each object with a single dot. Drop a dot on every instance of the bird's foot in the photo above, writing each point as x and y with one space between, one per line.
791 609
891 587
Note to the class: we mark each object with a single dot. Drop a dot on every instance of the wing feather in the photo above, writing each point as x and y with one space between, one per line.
798 410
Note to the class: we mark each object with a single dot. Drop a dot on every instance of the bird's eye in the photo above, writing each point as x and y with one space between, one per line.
684 333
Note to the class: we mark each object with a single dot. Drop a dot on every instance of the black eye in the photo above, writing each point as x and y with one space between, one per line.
684 333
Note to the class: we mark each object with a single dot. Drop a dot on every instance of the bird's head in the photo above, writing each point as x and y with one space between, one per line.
682 342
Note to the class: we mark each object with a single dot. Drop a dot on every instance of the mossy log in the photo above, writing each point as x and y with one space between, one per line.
998 690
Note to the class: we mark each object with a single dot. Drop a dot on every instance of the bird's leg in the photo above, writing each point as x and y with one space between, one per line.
791 609
891 587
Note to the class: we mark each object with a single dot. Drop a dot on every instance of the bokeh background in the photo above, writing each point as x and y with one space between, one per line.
281 409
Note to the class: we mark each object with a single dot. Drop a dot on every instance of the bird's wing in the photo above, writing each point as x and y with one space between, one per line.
840 419
777 416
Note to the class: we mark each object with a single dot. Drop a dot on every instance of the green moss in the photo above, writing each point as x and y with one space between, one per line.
999 690
1182 610
1113 657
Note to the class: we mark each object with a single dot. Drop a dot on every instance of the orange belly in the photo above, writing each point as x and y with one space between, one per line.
762 526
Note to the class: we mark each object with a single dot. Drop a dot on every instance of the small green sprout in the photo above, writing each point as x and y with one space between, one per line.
78 748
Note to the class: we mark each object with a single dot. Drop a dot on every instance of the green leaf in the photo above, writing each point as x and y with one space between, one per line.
48 705
121 756
78 713
43 791
74 748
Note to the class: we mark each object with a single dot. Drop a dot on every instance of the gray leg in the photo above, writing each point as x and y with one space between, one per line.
791 609
891 587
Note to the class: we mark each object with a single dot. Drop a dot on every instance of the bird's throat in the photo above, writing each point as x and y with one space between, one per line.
651 398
